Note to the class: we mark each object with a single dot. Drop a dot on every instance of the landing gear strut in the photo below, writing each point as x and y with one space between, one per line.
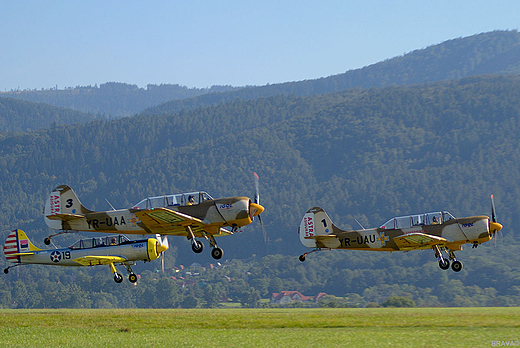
444 264
197 246
302 257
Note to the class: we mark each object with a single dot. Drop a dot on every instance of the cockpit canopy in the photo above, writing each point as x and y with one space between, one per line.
99 242
181 199
408 221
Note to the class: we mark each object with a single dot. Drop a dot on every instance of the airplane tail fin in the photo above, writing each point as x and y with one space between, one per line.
16 244
62 205
315 222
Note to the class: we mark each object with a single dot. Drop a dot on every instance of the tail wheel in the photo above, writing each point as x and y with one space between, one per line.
302 258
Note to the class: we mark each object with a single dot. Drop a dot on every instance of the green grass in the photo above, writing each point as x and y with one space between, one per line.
388 327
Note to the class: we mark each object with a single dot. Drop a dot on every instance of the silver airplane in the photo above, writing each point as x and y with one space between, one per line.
110 250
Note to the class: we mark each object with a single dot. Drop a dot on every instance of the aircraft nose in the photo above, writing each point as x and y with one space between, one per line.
494 227
255 209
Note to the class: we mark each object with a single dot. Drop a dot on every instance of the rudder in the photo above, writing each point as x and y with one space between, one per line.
17 242
62 204
315 222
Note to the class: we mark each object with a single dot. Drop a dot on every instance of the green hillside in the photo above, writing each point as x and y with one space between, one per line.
496 52
18 115
112 99
360 154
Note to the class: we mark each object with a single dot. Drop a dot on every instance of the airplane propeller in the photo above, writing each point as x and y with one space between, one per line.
257 206
161 246
494 226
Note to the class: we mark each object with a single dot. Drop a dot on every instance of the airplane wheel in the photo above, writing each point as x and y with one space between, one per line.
444 264
302 258
197 247
47 241
6 270
132 278
118 278
217 253
456 266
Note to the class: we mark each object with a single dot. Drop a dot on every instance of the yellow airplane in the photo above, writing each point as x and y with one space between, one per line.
192 215
439 231
111 250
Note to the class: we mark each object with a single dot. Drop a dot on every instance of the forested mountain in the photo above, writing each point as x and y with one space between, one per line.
16 115
113 99
365 154
496 52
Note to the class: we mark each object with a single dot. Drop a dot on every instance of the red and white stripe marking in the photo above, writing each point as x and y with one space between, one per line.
11 247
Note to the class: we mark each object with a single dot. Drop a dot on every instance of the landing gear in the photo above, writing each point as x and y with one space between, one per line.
456 266
132 278
118 278
217 253
48 241
197 246
444 264
302 257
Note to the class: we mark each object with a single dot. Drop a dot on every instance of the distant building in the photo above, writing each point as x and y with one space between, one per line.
285 297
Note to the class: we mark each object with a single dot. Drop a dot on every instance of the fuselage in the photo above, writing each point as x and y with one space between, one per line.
457 232
142 250
317 231
224 212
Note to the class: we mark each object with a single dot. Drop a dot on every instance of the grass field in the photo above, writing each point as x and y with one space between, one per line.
334 327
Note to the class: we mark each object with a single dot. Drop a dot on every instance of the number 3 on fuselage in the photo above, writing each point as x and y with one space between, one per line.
439 231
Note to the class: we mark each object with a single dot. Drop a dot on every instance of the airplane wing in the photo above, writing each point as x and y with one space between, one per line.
166 221
418 241
98 260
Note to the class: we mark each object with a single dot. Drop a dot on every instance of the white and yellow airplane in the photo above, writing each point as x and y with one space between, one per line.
192 215
110 250
439 231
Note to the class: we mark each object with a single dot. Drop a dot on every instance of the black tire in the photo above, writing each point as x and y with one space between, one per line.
217 253
444 264
6 270
197 247
132 278
302 258
47 241
456 266
118 278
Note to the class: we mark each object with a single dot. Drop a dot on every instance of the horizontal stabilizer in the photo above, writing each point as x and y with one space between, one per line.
418 241
64 217
322 237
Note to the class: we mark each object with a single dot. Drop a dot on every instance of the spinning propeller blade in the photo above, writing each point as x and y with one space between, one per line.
494 226
493 215
257 201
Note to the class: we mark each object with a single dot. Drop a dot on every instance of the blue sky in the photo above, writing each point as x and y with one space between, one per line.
203 43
